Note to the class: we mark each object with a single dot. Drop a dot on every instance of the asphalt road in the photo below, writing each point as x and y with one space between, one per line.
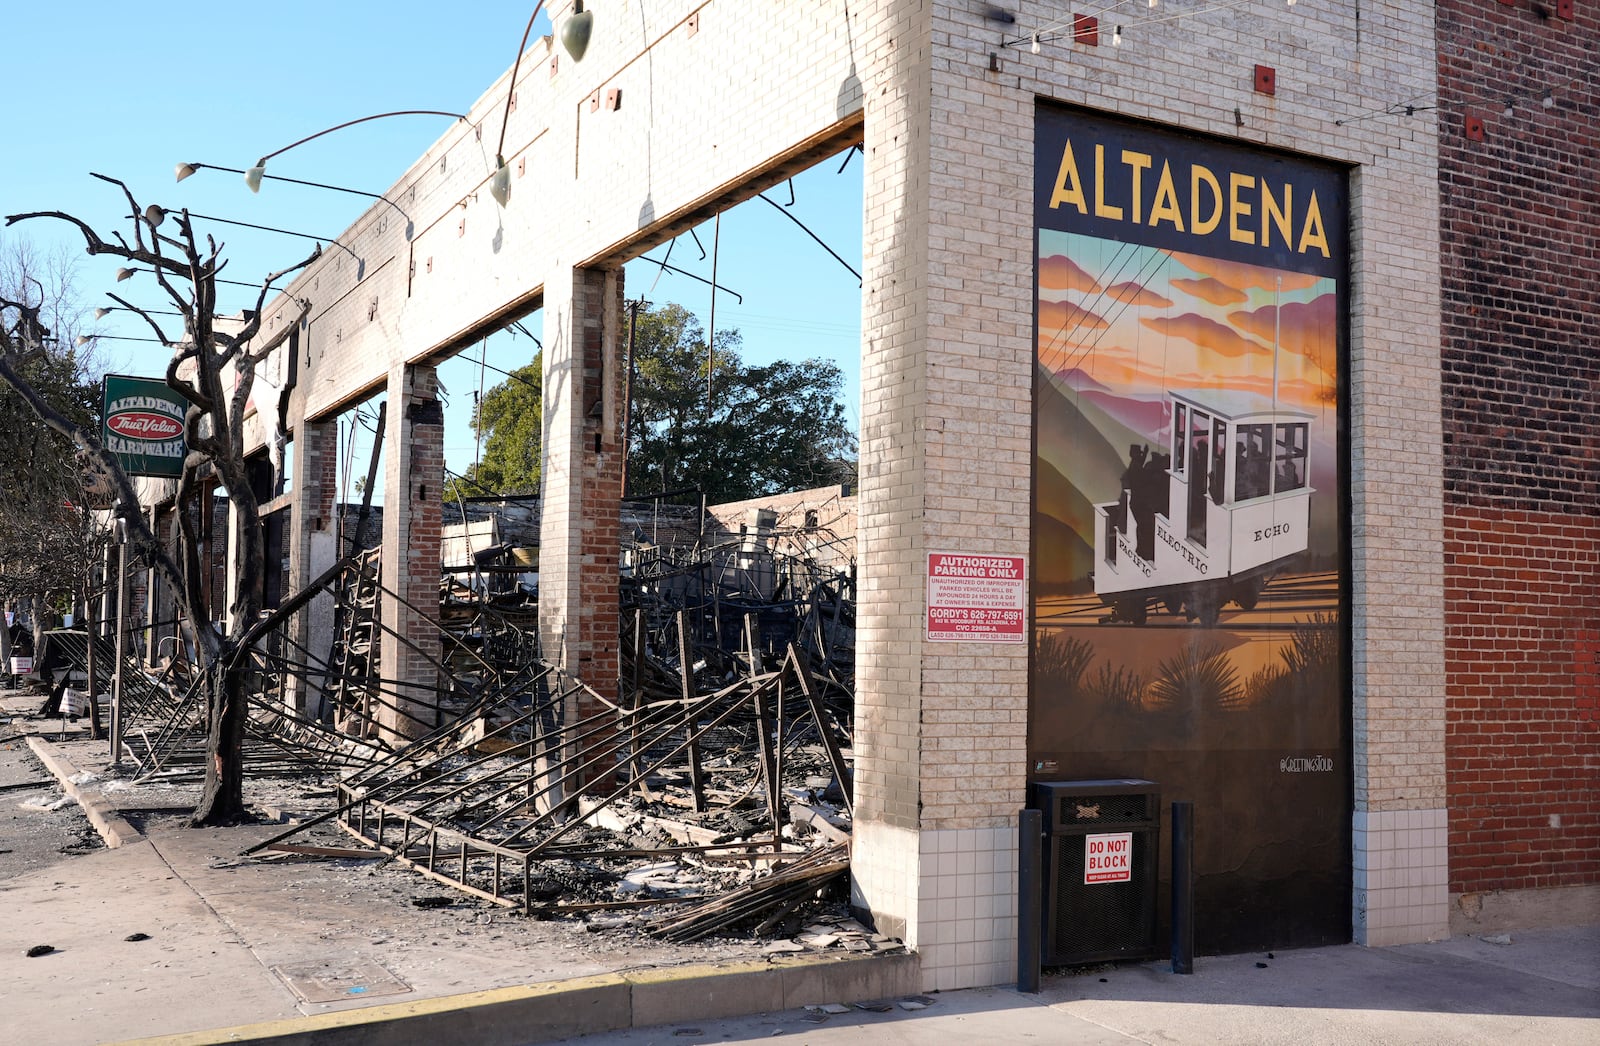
32 838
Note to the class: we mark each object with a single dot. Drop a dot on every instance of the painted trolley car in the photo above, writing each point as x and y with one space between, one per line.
1211 520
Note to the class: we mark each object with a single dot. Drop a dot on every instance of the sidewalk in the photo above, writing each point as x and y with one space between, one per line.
230 940
338 951
1543 987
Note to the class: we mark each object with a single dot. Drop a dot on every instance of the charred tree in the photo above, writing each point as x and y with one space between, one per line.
213 370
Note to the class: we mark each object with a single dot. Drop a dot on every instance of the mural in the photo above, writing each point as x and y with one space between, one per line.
1188 544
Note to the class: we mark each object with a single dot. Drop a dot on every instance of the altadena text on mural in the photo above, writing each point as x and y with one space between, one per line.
1193 201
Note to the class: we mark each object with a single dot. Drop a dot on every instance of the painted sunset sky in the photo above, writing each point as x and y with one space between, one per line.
1139 320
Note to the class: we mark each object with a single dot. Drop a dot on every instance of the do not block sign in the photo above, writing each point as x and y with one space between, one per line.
1108 858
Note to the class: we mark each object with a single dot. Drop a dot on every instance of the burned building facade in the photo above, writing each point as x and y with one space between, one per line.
1213 232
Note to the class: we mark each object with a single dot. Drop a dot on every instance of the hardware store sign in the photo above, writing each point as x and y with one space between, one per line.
142 424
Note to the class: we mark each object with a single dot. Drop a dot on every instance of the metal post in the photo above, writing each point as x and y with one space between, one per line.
5 648
1183 887
152 594
93 666
122 638
106 598
1030 898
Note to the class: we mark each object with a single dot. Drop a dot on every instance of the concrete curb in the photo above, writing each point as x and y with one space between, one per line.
585 1006
101 813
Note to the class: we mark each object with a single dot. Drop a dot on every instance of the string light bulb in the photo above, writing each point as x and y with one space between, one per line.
1511 107
1116 37
1035 47
1548 101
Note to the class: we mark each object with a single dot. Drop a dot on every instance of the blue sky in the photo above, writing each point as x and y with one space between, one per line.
130 90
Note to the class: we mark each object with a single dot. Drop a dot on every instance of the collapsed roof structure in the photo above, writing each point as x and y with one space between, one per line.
724 766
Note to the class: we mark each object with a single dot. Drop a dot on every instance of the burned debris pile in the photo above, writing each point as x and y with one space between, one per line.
709 785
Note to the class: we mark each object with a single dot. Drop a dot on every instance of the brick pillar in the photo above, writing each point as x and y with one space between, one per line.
579 525
946 383
1397 596
886 860
312 549
413 475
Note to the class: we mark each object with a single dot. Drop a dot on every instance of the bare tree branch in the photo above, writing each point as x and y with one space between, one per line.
143 315
95 245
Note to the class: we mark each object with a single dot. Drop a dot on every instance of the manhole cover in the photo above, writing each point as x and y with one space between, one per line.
339 981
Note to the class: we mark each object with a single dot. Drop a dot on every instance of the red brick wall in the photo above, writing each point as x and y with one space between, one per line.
1523 725
1521 384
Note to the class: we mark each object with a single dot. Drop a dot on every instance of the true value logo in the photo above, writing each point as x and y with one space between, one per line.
145 425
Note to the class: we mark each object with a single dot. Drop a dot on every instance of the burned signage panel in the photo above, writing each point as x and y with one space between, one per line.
1190 548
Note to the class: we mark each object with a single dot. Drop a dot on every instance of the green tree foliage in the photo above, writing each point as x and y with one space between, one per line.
42 537
765 429
768 429
508 420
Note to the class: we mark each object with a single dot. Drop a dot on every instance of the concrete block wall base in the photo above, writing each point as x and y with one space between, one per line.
1496 911
585 1006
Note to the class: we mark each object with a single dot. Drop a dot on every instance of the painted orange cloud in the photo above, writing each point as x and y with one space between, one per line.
1060 273
1208 334
1131 293
1240 276
1308 328
1295 392
1212 290
1056 317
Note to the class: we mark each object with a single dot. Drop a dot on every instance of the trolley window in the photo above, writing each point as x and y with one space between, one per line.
1290 469
1252 462
1199 475
1219 460
1180 442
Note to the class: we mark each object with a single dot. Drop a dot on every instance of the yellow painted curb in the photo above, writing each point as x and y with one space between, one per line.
378 1023
582 1006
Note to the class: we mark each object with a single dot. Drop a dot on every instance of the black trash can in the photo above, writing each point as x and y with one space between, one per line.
1101 868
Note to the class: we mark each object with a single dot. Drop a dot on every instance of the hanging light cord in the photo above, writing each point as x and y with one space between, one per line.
351 123
511 86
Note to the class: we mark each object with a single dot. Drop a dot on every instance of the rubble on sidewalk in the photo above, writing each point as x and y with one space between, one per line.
710 796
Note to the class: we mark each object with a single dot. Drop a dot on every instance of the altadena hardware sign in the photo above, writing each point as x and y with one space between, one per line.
142 424
976 598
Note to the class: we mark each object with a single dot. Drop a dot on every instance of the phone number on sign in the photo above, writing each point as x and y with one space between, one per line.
950 614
